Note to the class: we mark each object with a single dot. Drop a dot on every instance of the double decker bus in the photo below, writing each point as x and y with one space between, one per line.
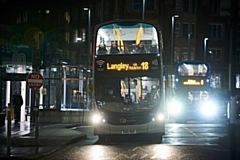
193 99
127 83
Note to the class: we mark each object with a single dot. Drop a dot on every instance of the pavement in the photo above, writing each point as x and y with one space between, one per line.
23 143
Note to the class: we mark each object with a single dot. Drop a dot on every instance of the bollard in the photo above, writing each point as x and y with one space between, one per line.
9 109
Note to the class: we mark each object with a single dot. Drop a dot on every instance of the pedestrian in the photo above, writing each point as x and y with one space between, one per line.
17 102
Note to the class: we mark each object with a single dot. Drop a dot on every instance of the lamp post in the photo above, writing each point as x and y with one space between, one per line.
189 45
143 12
172 38
101 11
88 36
205 48
88 57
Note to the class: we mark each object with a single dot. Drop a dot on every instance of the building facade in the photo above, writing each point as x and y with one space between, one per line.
53 38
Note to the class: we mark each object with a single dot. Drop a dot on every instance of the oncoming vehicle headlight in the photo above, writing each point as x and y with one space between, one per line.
208 108
97 118
175 107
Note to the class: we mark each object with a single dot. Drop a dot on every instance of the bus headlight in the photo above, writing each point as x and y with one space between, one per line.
96 118
159 117
208 108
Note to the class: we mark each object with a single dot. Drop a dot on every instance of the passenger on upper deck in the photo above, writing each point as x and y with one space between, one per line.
132 51
153 48
102 49
141 48
114 49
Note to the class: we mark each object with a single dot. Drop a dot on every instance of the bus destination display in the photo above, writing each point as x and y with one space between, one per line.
133 65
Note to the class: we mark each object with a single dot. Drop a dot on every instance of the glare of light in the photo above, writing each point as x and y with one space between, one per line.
162 152
54 69
95 152
208 108
79 39
63 62
47 11
175 107
96 118
160 117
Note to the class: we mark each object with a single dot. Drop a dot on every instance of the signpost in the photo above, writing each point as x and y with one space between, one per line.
35 80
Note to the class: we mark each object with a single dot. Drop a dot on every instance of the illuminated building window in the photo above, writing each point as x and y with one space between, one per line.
215 80
238 81
67 16
75 36
67 37
83 35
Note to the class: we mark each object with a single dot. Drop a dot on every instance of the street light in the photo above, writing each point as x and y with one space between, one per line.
205 48
189 45
172 40
88 37
88 56
143 8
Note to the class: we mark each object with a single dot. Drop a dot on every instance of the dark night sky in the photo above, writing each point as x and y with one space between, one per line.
8 8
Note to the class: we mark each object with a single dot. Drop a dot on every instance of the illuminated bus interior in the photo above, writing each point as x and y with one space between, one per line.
192 69
128 94
192 74
123 38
